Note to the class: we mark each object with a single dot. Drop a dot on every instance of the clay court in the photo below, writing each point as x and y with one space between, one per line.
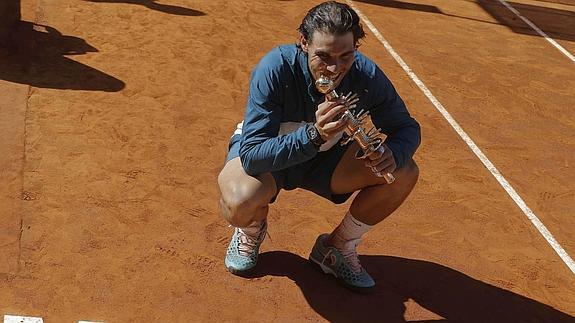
114 122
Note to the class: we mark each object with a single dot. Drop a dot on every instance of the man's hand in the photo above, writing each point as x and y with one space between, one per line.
381 161
326 112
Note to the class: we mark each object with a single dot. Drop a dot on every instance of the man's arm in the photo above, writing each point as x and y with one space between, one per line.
262 150
391 116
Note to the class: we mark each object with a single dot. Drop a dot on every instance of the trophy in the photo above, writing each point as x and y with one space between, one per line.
369 141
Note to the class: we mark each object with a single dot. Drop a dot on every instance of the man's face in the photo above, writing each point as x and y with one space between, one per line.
329 55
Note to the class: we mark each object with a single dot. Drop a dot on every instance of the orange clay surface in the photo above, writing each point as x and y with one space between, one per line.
114 122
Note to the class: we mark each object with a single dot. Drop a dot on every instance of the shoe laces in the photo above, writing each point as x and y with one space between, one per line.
349 253
248 242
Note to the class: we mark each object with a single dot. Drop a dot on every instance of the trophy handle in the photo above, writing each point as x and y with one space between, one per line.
367 142
375 144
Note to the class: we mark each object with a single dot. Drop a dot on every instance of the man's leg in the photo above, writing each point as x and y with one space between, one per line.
376 199
244 198
244 204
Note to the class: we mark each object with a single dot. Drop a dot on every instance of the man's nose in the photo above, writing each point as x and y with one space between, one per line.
334 66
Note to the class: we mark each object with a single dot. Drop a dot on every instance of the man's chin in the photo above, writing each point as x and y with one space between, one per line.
338 80
336 83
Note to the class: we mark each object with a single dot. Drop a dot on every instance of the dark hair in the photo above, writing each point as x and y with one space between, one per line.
333 18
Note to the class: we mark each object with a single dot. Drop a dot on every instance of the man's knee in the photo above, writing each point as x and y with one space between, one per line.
239 207
242 199
408 173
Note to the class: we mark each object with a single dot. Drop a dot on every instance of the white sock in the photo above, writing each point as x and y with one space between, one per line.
349 229
253 229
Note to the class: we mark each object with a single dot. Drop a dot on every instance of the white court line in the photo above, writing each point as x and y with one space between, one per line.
22 319
504 183
30 319
539 31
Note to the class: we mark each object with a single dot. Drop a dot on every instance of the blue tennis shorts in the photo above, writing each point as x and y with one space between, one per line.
313 175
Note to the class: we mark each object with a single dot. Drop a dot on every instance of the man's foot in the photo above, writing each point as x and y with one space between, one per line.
242 254
343 264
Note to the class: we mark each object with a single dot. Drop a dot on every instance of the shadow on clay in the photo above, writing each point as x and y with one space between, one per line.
446 292
38 56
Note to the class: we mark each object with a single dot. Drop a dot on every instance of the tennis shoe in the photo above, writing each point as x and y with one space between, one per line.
243 250
343 264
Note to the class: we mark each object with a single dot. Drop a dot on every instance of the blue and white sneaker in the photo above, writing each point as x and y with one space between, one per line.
343 264
243 250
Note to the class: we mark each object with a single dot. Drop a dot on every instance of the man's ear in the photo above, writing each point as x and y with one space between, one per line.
303 42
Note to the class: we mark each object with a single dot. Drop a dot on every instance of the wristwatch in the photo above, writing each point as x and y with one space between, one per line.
313 135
